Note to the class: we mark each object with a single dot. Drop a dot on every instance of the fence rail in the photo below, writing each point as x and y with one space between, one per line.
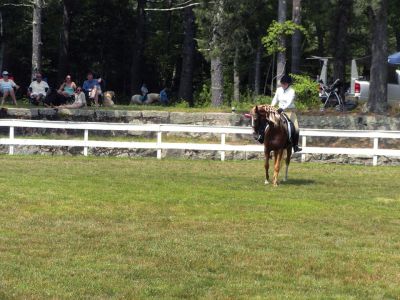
159 145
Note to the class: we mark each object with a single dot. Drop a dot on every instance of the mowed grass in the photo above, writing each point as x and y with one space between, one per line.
74 228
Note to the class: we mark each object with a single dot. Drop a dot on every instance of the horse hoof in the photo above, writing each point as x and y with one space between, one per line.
266 182
276 184
284 180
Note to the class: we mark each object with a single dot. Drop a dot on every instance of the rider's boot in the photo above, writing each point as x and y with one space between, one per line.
296 147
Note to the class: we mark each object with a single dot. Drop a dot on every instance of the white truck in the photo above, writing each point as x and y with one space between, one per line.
359 89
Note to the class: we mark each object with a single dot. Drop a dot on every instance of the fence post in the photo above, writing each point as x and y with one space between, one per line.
375 157
303 145
11 149
86 139
223 141
159 142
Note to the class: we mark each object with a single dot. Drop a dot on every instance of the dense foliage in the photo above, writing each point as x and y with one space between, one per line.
129 42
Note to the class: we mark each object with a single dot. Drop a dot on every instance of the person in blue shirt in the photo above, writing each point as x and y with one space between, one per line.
144 92
92 88
7 87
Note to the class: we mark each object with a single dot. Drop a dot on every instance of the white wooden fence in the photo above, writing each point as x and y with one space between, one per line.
159 145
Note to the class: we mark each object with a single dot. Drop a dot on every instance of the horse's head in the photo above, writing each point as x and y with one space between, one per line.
263 116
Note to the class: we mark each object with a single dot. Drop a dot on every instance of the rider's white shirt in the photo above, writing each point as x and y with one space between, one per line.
284 98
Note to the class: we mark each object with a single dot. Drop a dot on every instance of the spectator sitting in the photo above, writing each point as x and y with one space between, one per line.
144 92
80 100
38 90
92 88
164 96
7 87
67 90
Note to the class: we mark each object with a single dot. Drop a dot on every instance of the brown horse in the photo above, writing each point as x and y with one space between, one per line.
270 128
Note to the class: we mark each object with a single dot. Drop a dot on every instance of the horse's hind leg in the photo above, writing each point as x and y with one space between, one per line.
277 165
266 166
287 161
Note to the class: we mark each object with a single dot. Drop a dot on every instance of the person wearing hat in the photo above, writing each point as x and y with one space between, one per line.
284 98
38 90
7 86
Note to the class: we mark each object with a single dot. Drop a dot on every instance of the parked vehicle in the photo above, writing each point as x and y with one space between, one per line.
361 88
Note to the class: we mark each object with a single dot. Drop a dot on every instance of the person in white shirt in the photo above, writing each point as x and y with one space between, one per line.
80 100
284 98
38 90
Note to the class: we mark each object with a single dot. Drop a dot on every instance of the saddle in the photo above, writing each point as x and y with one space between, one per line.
289 127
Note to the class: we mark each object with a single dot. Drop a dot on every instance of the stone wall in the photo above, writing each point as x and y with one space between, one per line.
344 121
322 121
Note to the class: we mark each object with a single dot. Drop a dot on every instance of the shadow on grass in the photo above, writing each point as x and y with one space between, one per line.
298 182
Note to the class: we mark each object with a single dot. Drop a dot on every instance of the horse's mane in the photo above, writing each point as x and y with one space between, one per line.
268 112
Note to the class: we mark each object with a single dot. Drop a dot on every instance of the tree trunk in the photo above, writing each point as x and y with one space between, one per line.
37 37
296 38
188 54
340 41
257 71
236 77
138 48
397 34
217 78
377 100
63 55
2 42
281 57
217 82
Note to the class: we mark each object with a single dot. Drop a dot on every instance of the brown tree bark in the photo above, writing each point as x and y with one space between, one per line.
37 37
378 17
63 55
281 56
188 55
138 48
296 38
339 43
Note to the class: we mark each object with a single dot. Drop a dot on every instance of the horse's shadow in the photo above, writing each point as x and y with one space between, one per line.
297 182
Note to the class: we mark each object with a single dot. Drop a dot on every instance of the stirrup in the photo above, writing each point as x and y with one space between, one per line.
297 148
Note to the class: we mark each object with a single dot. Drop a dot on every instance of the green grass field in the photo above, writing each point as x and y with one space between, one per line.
74 228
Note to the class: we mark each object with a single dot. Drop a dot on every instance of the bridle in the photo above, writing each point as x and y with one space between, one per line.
258 127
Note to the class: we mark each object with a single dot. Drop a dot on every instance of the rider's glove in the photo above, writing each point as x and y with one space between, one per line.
280 110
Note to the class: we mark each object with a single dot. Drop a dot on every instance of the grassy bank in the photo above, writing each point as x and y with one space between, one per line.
112 228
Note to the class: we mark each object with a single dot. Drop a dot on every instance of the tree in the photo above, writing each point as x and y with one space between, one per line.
296 38
340 40
63 58
37 37
378 16
281 56
2 42
188 55
139 46
257 69
217 77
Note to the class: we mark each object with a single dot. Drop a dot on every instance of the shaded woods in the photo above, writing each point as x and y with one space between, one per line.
206 52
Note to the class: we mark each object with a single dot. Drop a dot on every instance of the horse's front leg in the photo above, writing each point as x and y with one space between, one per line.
277 165
266 151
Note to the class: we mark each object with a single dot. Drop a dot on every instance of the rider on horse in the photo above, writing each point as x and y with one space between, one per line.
284 98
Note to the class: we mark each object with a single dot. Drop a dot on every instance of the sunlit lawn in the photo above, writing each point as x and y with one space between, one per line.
113 228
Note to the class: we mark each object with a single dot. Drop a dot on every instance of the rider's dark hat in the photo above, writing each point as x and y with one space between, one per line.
286 79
